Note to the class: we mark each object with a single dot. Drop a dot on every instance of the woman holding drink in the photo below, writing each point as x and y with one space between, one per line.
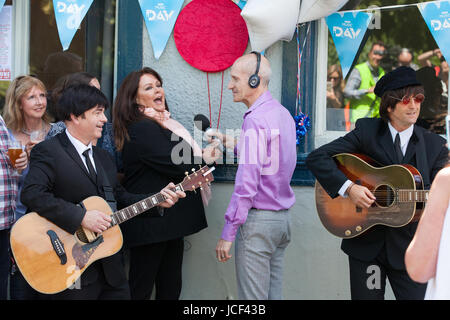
25 111
28 123
14 152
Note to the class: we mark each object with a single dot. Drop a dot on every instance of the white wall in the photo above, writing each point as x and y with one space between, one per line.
315 267
186 87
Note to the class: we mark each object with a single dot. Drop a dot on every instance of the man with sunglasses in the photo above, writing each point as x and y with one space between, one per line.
394 139
361 82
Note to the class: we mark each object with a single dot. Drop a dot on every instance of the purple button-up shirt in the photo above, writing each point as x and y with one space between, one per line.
267 158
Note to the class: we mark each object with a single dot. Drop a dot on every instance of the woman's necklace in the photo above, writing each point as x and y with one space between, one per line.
28 132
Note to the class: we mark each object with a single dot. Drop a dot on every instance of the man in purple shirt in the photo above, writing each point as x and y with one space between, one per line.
258 214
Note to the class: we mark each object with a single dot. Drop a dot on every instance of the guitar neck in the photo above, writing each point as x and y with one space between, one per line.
405 195
139 207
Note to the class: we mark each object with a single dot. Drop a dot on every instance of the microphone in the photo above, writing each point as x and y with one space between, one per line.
202 123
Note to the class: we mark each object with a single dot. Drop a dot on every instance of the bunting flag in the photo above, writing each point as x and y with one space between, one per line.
160 17
348 30
437 18
241 3
69 14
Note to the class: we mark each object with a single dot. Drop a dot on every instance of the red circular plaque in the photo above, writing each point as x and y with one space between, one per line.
211 34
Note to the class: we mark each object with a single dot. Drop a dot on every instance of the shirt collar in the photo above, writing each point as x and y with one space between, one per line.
79 146
266 96
405 135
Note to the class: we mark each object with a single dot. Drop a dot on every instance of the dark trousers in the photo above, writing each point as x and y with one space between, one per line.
19 289
5 263
159 265
368 280
98 290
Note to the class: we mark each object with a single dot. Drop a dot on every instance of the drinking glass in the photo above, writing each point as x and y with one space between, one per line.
37 136
14 151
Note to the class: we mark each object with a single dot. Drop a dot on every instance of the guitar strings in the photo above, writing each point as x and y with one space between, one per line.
395 195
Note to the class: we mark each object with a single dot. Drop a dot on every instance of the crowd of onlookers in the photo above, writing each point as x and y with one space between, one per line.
353 98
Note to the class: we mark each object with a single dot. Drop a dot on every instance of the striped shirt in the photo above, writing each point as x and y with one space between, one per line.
8 183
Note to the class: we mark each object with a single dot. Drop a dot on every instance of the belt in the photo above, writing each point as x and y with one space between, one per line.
269 210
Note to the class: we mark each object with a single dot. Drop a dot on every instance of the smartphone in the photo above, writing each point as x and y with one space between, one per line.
447 127
329 86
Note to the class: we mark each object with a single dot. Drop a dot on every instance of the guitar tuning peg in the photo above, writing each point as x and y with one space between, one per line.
186 173
193 170
201 188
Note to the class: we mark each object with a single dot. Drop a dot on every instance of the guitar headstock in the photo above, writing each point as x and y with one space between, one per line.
198 178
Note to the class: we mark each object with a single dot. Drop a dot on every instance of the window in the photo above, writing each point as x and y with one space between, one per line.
308 88
91 50
399 37
5 49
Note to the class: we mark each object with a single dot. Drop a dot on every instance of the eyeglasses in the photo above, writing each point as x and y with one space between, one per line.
406 99
379 52
333 78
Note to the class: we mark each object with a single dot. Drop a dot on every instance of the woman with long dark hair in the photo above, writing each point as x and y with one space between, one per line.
155 149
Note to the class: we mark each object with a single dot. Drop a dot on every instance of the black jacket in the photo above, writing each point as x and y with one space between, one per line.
426 151
150 161
58 180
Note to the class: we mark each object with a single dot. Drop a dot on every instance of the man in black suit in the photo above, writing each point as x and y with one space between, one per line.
393 139
67 169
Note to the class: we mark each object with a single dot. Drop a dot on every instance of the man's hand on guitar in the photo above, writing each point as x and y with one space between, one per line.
361 196
96 221
171 196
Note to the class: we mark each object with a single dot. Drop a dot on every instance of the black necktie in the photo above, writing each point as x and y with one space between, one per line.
89 165
398 149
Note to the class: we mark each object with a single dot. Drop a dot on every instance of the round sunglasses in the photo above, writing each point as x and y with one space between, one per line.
406 99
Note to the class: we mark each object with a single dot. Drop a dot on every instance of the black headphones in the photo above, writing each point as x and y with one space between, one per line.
254 79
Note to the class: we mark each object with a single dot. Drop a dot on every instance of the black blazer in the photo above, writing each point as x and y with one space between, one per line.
150 161
58 180
426 151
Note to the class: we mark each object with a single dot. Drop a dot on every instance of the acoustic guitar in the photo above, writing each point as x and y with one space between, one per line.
51 259
398 190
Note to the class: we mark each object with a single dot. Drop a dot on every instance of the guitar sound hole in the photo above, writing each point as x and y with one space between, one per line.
385 196
81 236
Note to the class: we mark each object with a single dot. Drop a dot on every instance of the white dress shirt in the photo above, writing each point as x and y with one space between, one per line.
405 135
81 147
